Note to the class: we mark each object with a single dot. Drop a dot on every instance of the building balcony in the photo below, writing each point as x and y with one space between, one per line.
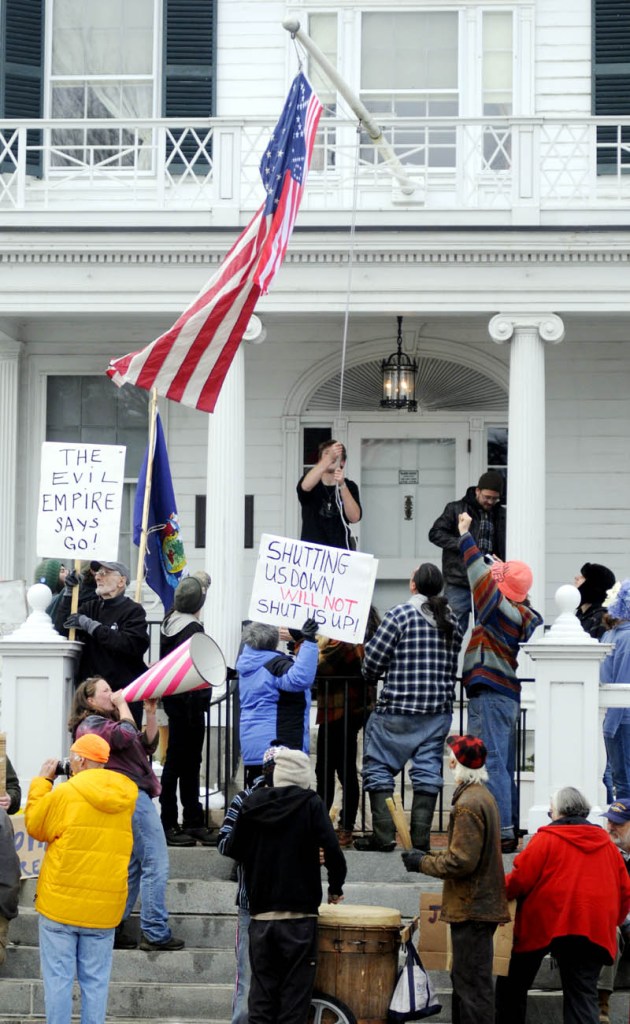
499 172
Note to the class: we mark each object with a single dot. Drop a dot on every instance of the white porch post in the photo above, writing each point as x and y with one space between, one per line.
9 365
526 505
568 742
225 516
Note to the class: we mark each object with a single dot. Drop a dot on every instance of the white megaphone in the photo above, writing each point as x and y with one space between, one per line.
196 664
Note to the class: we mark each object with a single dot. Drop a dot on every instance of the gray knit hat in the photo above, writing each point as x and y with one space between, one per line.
189 596
293 768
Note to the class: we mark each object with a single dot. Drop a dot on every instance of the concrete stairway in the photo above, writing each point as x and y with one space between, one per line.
195 985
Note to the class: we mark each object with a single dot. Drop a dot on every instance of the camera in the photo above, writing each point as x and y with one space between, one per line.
63 767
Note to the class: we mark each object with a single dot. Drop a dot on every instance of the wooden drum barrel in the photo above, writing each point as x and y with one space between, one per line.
358 957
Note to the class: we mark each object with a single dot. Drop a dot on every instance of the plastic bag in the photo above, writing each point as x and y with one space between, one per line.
413 997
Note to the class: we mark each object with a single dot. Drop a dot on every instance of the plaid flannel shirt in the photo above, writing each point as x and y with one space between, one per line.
419 666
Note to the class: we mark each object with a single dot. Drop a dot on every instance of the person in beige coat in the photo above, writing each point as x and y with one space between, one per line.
473 898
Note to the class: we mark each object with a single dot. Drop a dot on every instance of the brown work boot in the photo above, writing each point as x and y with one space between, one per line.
345 837
603 996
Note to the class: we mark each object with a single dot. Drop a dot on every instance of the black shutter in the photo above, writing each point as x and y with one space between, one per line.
21 64
611 77
189 70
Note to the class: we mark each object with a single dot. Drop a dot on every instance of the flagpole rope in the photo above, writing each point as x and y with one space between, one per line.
301 54
353 223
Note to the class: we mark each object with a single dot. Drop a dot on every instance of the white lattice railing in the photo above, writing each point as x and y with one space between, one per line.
457 165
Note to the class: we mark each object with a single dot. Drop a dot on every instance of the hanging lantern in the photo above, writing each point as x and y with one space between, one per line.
399 378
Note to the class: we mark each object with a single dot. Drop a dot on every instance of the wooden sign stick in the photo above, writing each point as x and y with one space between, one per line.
398 817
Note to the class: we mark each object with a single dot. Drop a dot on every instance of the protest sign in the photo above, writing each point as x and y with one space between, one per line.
29 850
434 943
80 500
296 580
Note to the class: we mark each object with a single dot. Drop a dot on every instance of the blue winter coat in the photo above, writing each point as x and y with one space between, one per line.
615 668
275 698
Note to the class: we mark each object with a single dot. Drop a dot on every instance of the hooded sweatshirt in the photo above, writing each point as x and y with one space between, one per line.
569 880
86 822
277 838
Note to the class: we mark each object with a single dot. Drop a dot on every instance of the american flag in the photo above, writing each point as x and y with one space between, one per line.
189 362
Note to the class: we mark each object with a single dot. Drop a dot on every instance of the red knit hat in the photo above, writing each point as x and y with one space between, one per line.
513 578
469 750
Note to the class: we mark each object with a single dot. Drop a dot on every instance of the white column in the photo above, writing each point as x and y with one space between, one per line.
526 507
9 366
225 514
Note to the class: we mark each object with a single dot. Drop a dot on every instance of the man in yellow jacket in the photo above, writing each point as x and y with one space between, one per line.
82 887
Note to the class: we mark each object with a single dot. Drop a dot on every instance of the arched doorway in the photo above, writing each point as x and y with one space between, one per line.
409 465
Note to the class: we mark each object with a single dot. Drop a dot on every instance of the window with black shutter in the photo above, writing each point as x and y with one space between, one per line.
189 77
21 72
611 81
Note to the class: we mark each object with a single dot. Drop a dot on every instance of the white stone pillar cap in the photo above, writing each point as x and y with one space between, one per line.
38 627
567 629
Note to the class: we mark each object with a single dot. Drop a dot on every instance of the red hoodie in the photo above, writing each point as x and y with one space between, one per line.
569 880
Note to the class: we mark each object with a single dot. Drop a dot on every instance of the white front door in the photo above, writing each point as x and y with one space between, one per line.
406 476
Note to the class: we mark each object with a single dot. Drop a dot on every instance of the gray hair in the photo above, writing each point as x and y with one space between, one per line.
463 774
260 636
568 802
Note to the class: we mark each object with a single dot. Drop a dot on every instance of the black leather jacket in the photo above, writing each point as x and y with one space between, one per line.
445 534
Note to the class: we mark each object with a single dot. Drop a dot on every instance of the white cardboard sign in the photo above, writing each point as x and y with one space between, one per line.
296 580
80 500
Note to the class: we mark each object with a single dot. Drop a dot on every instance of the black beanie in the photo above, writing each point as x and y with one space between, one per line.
597 581
491 480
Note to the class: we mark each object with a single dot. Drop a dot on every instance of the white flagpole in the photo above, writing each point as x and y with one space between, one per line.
407 186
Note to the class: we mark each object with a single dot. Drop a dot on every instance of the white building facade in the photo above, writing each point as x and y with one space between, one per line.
129 142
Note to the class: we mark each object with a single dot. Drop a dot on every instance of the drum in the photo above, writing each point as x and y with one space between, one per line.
358 957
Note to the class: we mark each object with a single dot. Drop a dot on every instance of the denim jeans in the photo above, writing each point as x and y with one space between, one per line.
243 969
460 600
392 740
493 717
148 870
66 950
618 756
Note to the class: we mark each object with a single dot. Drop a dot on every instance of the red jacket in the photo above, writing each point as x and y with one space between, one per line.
569 880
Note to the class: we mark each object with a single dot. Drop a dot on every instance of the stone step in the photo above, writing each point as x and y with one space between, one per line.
200 931
164 1003
24 999
186 966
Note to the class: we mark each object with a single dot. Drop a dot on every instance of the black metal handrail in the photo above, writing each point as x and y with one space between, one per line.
461 704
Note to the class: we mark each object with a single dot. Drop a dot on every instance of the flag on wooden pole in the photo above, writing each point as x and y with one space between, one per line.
189 362
164 558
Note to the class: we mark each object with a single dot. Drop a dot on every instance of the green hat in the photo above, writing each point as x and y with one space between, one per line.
48 572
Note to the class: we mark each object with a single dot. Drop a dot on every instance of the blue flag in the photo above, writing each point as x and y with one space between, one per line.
165 560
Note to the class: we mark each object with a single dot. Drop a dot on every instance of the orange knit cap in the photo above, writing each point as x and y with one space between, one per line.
92 747
513 578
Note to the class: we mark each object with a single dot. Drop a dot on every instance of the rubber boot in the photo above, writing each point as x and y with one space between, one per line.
383 838
422 808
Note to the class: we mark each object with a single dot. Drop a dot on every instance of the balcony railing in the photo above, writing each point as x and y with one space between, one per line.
525 168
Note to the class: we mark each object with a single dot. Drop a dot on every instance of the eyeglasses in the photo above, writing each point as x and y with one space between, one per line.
491 499
106 572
